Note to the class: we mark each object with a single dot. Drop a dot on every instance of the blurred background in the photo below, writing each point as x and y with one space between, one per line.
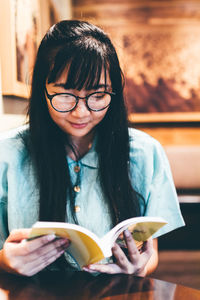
158 43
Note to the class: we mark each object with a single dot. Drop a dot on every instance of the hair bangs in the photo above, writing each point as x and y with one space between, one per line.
61 60
84 70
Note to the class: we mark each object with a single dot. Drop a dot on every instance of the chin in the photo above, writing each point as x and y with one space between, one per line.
76 133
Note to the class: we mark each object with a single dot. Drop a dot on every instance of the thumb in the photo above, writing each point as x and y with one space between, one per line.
17 235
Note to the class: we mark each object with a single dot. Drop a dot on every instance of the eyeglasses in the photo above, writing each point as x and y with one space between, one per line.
65 102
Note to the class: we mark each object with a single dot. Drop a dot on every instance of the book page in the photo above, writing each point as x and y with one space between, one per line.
84 247
142 228
141 232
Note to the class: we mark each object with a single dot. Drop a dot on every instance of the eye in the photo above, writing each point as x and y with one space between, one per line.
65 97
63 102
98 95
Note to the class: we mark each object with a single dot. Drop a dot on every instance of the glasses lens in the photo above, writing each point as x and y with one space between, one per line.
63 102
99 100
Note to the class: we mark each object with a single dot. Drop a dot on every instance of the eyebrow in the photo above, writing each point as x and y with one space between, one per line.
93 87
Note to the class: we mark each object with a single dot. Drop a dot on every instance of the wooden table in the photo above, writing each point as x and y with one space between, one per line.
81 285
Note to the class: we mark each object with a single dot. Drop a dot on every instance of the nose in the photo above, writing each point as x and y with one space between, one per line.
81 109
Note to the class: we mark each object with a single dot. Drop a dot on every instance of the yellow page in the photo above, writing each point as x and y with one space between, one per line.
84 249
142 228
141 232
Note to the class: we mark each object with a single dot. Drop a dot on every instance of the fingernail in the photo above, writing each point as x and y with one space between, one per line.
64 241
127 233
66 245
59 253
50 237
88 270
91 267
114 247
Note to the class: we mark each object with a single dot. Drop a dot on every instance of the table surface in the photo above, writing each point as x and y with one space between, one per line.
81 285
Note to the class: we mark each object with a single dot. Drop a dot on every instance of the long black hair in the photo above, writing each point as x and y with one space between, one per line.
86 50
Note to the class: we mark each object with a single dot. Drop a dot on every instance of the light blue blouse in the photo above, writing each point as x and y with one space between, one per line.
149 171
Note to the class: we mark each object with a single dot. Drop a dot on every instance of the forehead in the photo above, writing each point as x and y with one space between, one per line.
104 78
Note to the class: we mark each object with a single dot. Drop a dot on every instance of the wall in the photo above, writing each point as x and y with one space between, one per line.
129 21
13 112
12 108
123 17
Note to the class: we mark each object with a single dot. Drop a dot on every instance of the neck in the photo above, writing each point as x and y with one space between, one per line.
81 145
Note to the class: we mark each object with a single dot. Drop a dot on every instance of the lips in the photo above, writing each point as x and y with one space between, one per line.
78 125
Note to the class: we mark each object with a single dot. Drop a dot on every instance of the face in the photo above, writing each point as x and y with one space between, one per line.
79 122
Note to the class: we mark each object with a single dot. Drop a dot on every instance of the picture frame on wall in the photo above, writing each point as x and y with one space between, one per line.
19 38
23 24
158 44
162 71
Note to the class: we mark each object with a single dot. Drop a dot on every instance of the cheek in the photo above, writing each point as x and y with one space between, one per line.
98 116
56 116
52 113
50 109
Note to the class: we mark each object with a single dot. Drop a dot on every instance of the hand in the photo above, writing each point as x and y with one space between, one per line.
29 257
135 263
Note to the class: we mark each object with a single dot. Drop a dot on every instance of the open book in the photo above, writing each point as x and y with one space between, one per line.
87 248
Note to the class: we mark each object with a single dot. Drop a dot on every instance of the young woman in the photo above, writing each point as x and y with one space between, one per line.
77 161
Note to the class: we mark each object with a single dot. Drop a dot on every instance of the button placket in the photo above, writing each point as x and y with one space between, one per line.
77 208
77 188
77 169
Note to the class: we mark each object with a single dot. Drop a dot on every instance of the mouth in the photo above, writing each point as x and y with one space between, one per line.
78 125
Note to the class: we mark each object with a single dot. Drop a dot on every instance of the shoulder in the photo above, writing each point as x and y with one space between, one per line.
139 137
147 157
12 143
142 144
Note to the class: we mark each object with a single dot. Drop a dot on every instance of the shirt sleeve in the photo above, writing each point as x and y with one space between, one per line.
162 199
156 183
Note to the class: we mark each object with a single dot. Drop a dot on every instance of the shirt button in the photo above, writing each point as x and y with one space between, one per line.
77 188
77 208
76 169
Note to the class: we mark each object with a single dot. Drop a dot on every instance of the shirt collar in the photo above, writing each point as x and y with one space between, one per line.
90 159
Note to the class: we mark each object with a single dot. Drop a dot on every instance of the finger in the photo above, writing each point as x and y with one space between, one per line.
46 257
32 270
22 264
133 252
148 249
144 258
121 258
47 250
26 247
38 261
107 268
17 235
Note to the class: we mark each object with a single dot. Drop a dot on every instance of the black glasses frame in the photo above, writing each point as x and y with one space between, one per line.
50 97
